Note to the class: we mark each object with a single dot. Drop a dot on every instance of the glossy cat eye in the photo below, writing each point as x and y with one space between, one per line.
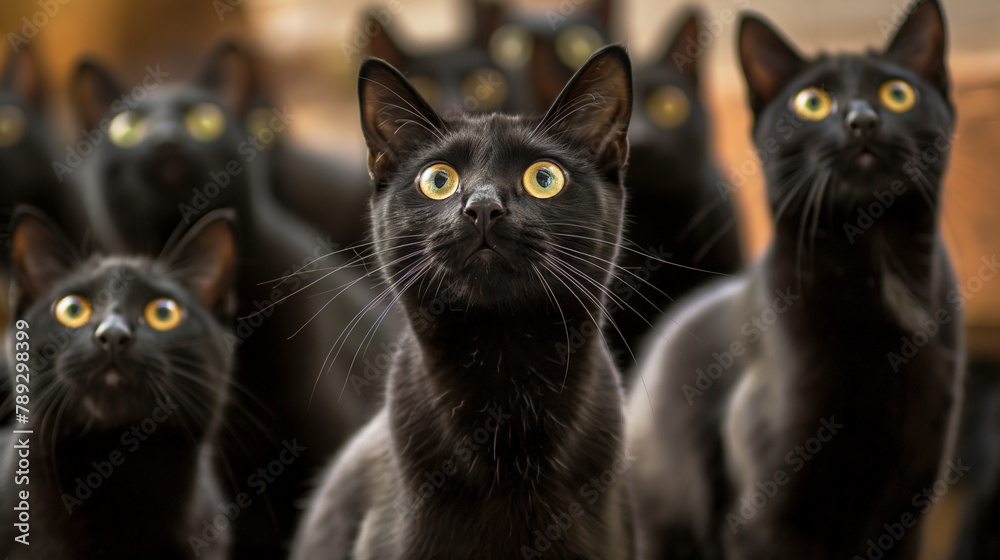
73 311
205 122
163 314
668 106
12 125
484 89
575 45
812 104
439 181
428 88
258 124
543 179
127 129
511 46
897 95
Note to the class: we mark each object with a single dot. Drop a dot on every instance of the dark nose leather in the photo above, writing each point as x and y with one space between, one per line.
484 212
113 334
862 120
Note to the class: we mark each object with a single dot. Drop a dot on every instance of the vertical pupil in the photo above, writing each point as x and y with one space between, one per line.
814 102
440 179
543 178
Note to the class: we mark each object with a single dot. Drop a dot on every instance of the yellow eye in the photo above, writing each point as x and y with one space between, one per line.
12 125
484 89
439 181
576 44
163 314
428 88
127 129
205 122
897 96
812 104
668 106
73 311
543 179
511 46
258 124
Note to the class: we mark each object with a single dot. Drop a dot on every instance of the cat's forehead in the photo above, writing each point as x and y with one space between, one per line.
851 73
116 274
481 135
174 95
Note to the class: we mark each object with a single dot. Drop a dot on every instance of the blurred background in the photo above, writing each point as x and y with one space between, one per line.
311 50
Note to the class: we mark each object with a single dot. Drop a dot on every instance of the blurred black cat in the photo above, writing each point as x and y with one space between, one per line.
803 409
677 210
458 78
27 174
502 434
174 151
126 370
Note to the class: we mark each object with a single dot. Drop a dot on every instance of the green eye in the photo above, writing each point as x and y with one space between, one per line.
12 125
668 106
127 129
543 179
484 89
897 95
73 311
812 104
576 44
439 181
511 47
205 122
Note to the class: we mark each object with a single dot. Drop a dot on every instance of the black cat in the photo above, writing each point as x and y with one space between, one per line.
679 209
803 409
27 174
124 370
179 151
502 434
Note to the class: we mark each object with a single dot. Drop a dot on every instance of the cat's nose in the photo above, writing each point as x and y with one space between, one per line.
862 120
113 333
484 212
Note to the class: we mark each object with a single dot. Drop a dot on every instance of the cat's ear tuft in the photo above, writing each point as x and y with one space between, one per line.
685 42
382 44
394 117
230 71
23 76
93 89
594 108
769 61
920 43
41 254
204 258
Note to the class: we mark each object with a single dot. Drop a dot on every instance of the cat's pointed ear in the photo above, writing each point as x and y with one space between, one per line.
230 71
921 42
203 259
487 17
394 117
41 254
93 89
594 108
24 77
382 44
678 54
768 60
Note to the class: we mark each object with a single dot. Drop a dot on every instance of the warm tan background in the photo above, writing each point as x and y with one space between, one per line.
302 41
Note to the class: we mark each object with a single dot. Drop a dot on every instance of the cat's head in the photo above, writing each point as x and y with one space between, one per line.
114 338
839 128
164 137
454 79
25 160
669 130
493 205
